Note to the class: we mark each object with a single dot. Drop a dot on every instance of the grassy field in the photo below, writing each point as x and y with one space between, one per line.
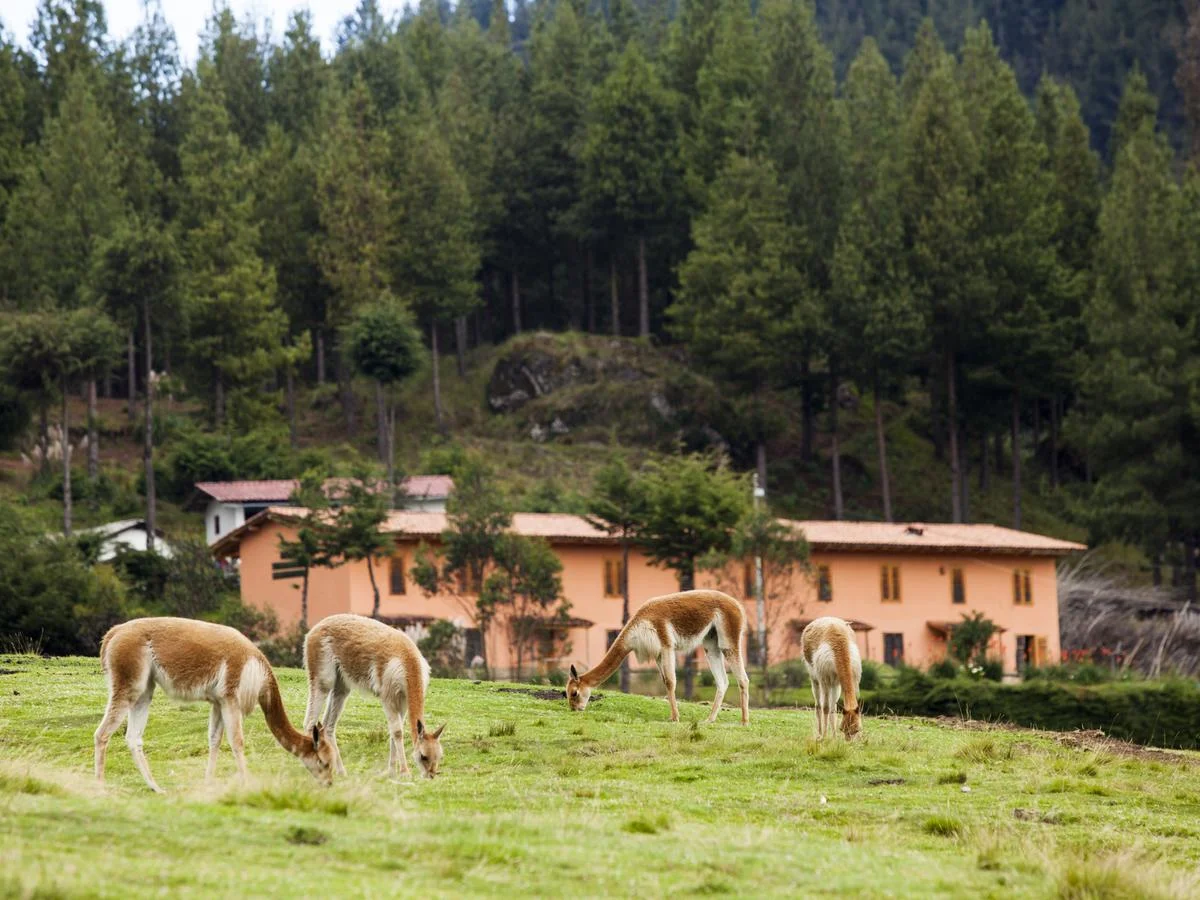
538 801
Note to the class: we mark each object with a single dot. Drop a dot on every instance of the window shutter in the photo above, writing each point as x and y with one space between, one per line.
1041 652
884 592
1028 589
896 583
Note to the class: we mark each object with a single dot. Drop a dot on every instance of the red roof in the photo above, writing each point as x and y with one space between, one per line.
280 490
918 537
822 536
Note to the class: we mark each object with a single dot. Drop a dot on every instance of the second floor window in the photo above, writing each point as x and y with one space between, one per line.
889 584
396 575
1022 588
958 586
613 570
470 581
824 584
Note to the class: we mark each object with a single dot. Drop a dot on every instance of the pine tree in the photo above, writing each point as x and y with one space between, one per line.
941 224
742 299
237 327
237 57
926 57
436 255
630 155
874 319
67 37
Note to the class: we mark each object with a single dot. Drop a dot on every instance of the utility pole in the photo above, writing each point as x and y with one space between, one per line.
759 603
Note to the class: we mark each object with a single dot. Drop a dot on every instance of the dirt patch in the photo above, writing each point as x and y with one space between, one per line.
874 781
1097 740
552 694
10 671
1032 815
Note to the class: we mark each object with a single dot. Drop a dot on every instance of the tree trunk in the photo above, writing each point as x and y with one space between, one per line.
806 409
952 432
131 368
304 603
588 264
374 587
835 452
346 394
460 345
319 343
964 474
881 445
1156 571
760 463
1016 456
389 448
624 609
614 294
148 435
643 291
1037 426
998 452
516 301
1189 566
66 455
44 438
985 464
290 399
1054 441
437 378
687 582
219 413
93 432
380 423
106 386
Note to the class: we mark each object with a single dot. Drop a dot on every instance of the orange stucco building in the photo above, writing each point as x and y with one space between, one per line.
903 586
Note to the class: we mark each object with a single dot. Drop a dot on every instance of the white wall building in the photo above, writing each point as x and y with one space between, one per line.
231 503
129 533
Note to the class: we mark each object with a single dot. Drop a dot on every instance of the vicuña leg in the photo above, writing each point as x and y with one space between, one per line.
114 715
716 665
734 663
819 712
835 693
337 701
666 668
139 715
216 729
396 754
231 714
316 703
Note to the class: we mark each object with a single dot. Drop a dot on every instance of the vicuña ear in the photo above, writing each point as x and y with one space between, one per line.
437 734
316 736
420 728
574 674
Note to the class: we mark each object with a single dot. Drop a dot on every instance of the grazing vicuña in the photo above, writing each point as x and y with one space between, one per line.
193 660
346 651
831 654
677 623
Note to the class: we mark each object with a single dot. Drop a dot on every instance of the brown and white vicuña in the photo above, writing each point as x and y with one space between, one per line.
348 651
677 623
835 668
197 661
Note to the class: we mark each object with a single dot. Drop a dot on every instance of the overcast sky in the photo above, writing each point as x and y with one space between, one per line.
187 17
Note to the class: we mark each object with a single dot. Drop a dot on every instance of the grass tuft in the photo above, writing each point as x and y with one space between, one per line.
278 798
299 834
646 824
942 825
978 750
952 778
502 729
14 783
1123 875
827 751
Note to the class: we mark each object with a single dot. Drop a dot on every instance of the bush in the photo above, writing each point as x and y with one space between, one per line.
793 673
944 668
285 648
1080 673
870 676
1162 713
444 645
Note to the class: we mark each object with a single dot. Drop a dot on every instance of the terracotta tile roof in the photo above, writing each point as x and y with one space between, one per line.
280 490
915 537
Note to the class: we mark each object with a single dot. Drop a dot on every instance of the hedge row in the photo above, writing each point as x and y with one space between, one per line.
1158 713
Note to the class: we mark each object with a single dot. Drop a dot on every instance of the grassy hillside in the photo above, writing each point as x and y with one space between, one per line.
608 396
536 800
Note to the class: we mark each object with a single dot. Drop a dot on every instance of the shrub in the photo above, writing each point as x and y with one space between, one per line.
944 668
1148 712
870 676
285 648
444 645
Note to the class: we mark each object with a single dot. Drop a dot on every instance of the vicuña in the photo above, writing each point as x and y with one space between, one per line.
831 654
677 623
196 661
346 651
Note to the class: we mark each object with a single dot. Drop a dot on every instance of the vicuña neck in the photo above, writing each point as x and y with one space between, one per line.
416 711
612 660
846 677
286 735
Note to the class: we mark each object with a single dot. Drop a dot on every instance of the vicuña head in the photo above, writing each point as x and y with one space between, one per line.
319 757
578 693
852 722
428 752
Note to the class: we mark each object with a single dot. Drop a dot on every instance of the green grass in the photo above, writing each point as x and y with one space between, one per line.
612 801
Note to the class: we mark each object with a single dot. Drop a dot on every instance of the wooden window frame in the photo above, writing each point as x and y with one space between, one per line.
891 634
1022 587
958 586
824 584
889 584
396 562
611 584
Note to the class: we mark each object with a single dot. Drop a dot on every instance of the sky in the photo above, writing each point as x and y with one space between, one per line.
187 17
